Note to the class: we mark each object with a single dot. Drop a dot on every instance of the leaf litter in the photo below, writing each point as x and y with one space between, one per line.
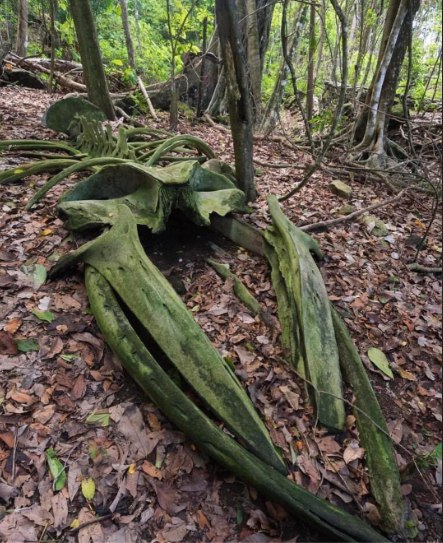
129 475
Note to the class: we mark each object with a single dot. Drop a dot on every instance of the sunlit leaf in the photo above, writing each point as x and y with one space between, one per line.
88 488
47 316
379 359
99 419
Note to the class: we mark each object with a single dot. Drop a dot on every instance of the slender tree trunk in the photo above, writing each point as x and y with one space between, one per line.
253 50
21 46
271 114
127 32
52 8
137 24
311 65
202 68
240 110
396 34
93 70
264 12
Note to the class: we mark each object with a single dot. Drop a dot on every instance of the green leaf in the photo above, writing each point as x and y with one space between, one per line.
47 316
69 357
436 453
379 359
117 62
100 419
27 345
57 469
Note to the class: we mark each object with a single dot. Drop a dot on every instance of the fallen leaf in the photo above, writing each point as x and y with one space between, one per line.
27 345
88 488
406 374
151 470
46 316
379 359
13 325
7 438
353 453
132 426
7 344
57 469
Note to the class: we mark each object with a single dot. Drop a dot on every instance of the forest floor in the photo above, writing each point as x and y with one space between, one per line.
62 388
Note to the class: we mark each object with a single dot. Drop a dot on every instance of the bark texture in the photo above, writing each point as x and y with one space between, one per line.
22 28
240 110
93 70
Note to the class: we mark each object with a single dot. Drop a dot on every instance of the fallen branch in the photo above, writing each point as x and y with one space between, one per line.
277 165
423 269
333 222
62 80
142 88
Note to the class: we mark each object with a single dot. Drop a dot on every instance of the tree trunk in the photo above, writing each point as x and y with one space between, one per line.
396 35
240 110
264 11
127 32
22 28
271 114
253 50
311 83
93 70
53 9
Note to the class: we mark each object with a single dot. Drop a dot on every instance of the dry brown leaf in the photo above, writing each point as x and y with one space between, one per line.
168 498
21 397
59 509
7 344
328 445
202 520
13 325
44 414
132 426
8 439
151 470
79 388
353 453
175 531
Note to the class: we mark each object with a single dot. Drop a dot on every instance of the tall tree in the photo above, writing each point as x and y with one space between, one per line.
131 54
93 70
396 36
240 108
311 65
271 114
253 50
22 28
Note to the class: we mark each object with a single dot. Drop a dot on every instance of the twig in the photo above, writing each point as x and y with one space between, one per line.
423 269
90 523
277 165
351 216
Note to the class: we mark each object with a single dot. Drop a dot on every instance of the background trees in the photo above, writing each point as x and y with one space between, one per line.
293 55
